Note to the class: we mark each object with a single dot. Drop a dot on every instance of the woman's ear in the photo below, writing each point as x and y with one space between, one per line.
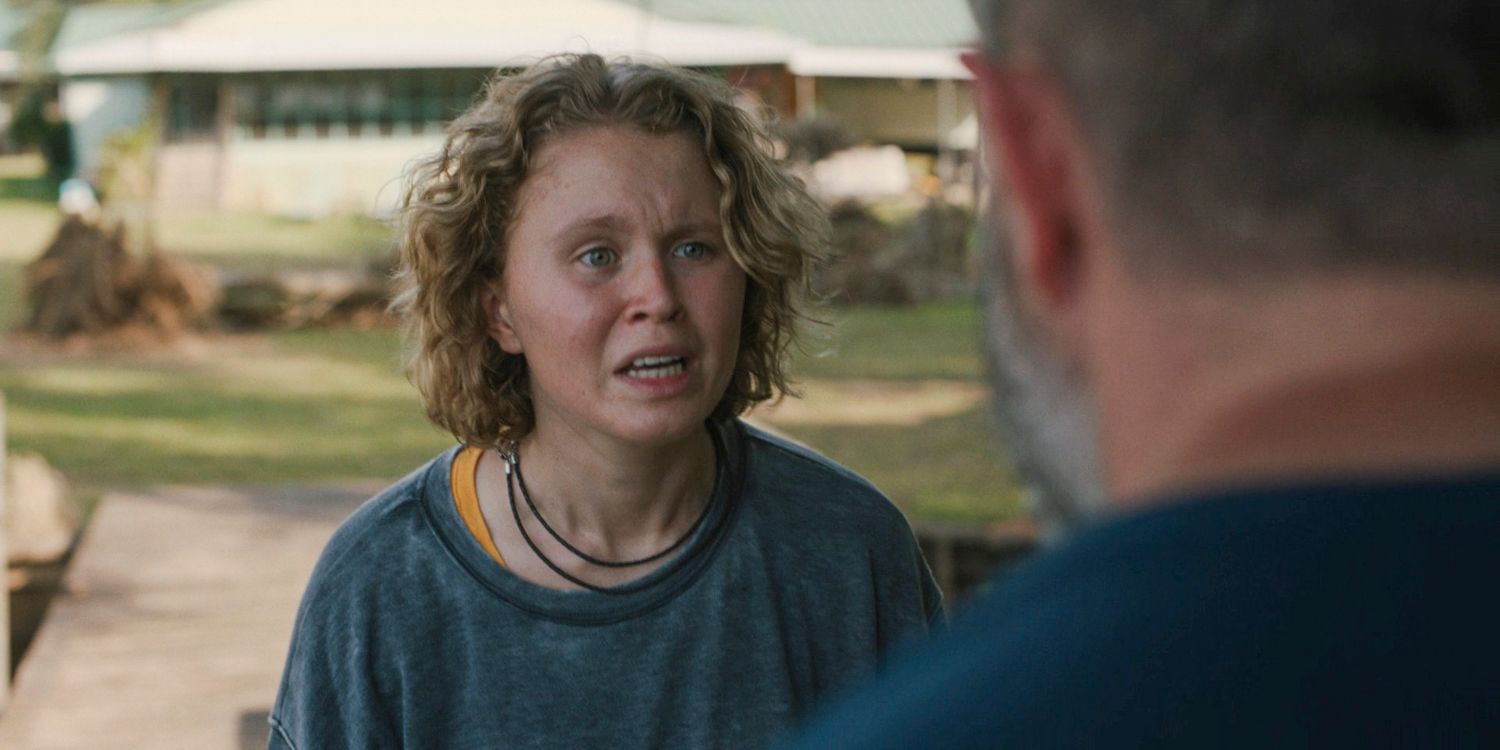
497 312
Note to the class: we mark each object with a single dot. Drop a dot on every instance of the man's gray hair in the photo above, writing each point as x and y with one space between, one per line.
1241 139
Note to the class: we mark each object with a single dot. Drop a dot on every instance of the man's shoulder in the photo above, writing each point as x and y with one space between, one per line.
1254 616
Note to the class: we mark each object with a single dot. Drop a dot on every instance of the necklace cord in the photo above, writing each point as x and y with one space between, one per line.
586 557
512 458
537 550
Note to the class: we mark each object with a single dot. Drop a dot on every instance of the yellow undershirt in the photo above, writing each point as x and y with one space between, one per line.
466 498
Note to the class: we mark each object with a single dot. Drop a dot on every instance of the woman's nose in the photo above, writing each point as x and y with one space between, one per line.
653 290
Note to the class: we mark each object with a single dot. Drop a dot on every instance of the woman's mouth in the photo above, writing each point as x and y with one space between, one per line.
655 368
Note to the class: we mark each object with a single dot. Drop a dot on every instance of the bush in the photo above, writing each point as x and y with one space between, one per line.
38 125
918 259
813 139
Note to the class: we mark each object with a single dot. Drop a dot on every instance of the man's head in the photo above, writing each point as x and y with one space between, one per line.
1236 139
1173 171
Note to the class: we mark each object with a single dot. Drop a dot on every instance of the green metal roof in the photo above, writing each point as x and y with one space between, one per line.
12 20
851 23
838 27
844 23
91 22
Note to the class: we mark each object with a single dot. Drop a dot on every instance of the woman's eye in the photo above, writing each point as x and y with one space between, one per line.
691 250
597 257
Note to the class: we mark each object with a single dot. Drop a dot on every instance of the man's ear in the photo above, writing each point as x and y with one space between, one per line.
497 311
1034 157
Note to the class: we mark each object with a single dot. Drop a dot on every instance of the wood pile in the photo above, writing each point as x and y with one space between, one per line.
920 258
86 283
305 299
863 270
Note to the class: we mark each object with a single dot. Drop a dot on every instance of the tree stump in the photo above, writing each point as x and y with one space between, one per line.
86 283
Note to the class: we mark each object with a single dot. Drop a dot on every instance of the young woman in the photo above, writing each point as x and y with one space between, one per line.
602 268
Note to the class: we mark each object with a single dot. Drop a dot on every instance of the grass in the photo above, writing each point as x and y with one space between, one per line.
231 241
939 340
10 295
28 208
258 243
256 414
21 179
321 406
944 469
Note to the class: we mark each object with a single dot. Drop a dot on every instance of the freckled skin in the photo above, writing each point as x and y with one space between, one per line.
618 250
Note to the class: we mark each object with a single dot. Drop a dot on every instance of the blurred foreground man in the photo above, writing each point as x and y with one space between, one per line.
1247 328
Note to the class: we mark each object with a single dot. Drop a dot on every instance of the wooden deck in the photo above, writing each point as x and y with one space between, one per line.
173 624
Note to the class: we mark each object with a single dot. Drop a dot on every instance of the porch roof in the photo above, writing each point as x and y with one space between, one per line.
860 38
265 35
12 22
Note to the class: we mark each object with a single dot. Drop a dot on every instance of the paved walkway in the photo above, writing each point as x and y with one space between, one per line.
173 625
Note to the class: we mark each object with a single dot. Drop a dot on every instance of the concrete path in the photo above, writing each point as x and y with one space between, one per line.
173 625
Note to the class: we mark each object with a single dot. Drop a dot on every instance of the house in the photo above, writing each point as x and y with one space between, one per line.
308 108
12 24
886 69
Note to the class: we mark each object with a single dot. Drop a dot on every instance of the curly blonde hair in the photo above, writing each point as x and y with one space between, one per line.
460 203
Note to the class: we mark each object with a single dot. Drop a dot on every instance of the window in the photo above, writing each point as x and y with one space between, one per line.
357 104
192 107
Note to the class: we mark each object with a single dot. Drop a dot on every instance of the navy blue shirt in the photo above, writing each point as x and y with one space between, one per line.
1316 615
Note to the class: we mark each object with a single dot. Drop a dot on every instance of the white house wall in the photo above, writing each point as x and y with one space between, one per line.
100 107
906 112
320 177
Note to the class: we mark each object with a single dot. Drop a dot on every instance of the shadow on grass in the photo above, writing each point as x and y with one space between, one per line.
191 432
318 406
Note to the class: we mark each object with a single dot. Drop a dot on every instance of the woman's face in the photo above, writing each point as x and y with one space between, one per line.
617 287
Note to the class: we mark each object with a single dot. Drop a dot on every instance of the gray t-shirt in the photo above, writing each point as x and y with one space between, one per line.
409 634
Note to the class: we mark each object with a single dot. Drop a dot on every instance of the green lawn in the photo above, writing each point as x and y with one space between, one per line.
10 295
241 411
319 406
251 242
315 406
28 215
938 340
944 469
242 242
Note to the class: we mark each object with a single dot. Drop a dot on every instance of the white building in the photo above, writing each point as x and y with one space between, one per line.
307 108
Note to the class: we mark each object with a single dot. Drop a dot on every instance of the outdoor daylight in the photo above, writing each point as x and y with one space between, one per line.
749 374
201 372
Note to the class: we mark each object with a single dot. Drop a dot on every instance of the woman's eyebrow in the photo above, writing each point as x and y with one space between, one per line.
600 221
601 224
615 223
714 227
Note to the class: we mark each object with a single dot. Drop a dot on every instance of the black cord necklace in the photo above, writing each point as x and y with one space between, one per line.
512 459
537 550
